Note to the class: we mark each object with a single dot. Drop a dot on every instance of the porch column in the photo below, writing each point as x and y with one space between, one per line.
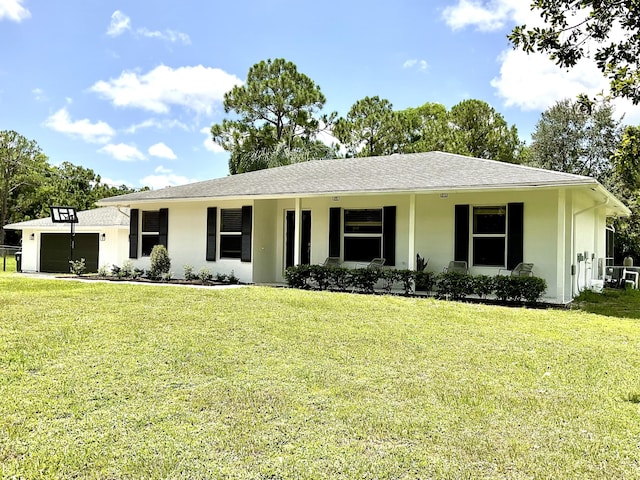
297 232
411 264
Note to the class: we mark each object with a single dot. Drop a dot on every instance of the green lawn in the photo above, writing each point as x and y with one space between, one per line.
133 381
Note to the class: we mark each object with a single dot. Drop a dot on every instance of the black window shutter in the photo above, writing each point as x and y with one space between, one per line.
461 234
389 236
212 217
245 254
335 215
163 226
515 234
134 216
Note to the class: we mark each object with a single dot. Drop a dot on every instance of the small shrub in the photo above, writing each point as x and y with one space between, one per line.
221 277
339 278
160 262
78 267
189 274
167 276
232 279
533 288
364 279
298 276
204 275
104 271
137 273
115 271
127 269
425 281
503 288
454 285
320 275
482 285
408 280
390 277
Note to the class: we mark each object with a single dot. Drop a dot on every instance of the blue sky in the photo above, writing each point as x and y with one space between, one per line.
130 89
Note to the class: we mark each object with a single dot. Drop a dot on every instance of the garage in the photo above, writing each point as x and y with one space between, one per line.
55 249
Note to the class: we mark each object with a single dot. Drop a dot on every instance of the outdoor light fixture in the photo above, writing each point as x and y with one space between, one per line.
66 215
103 237
32 236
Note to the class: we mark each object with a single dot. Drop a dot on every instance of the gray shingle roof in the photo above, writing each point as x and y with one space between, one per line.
429 171
97 217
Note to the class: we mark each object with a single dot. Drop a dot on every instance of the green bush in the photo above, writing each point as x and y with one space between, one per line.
298 276
205 275
453 285
482 285
533 288
365 279
425 281
160 262
320 275
407 278
78 267
390 277
339 278
189 274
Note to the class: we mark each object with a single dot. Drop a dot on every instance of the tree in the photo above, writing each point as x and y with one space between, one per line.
570 139
482 132
277 106
21 164
626 165
607 31
370 128
427 128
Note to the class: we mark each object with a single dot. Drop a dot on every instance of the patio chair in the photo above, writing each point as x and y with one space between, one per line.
629 279
520 270
458 266
375 264
332 262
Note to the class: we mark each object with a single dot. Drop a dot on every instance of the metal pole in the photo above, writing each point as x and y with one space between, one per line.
72 245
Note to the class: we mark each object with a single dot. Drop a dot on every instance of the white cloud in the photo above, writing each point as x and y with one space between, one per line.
38 95
160 150
420 64
123 152
99 132
166 124
115 183
164 177
168 35
209 144
487 16
195 88
120 23
13 10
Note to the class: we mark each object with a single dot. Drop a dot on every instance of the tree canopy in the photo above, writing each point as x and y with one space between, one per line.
568 138
277 107
606 31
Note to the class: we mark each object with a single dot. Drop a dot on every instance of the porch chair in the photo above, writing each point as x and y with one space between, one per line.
375 264
332 262
458 266
629 279
520 270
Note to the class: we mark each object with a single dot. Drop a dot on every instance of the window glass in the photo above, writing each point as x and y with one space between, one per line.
362 249
490 220
231 233
148 242
231 220
488 251
363 221
150 221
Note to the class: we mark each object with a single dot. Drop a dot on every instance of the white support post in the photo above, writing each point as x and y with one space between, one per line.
411 264
297 232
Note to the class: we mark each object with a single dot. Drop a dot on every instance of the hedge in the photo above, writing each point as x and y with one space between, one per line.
448 285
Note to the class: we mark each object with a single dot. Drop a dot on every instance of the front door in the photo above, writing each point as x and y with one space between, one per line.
290 237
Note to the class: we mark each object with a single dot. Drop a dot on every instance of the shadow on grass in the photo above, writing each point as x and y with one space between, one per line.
611 302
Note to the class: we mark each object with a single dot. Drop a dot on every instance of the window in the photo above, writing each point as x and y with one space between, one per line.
231 233
489 236
362 234
150 231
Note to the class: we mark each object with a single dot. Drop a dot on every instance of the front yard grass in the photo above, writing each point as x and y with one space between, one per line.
133 381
